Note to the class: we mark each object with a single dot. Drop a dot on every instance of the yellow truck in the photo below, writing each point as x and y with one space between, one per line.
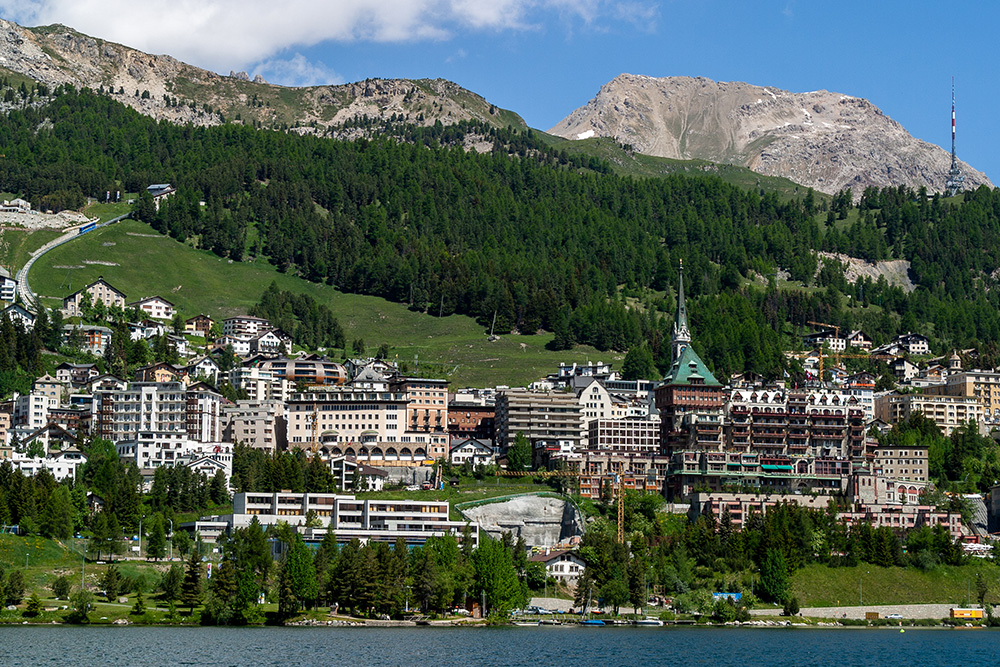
959 612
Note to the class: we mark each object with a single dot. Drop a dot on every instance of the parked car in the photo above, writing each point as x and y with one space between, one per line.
894 617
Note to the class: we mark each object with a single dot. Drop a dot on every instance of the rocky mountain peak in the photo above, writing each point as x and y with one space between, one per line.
820 139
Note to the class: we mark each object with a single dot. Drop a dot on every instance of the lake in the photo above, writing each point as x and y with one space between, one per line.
70 646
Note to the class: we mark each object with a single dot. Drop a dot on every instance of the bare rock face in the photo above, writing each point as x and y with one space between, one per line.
820 139
542 522
181 93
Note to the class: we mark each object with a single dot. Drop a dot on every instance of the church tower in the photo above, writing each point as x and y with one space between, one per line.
681 337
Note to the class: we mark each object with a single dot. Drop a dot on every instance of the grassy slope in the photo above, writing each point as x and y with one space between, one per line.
647 166
18 244
199 282
821 586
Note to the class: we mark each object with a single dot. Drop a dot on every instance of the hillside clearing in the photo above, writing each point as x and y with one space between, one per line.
198 281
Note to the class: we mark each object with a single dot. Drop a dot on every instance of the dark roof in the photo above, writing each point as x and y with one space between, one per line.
552 555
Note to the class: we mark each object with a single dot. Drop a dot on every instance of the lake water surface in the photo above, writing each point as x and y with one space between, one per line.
68 646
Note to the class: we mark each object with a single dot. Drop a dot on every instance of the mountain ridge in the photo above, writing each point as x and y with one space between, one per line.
165 88
820 139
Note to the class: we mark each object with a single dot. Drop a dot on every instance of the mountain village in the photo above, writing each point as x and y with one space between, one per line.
704 446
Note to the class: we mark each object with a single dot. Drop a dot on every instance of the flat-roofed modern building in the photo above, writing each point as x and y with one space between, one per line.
349 517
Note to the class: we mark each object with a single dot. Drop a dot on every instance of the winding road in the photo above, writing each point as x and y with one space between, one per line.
23 288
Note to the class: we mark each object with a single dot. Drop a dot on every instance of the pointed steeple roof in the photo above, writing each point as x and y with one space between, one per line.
681 317
681 337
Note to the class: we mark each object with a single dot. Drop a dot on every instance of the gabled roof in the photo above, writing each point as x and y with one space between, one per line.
461 442
151 298
689 366
553 555
21 310
97 282
201 360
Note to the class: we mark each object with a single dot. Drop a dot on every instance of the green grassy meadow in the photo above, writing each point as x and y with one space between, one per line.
822 586
145 263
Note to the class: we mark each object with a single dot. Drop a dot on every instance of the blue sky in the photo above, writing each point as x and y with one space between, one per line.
544 58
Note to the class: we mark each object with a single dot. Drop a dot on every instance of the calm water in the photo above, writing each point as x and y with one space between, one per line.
474 647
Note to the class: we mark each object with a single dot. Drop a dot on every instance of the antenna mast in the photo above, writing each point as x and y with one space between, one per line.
955 176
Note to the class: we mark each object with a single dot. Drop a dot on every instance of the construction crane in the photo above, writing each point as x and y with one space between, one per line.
314 444
621 509
838 356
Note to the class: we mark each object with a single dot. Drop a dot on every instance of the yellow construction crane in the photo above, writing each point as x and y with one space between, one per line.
537 473
838 357
314 445
621 509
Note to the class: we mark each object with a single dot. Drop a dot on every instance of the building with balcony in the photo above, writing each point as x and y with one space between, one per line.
427 408
550 421
257 424
948 412
349 517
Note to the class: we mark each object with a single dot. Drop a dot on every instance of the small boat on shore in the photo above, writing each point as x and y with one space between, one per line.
592 622
526 623
649 620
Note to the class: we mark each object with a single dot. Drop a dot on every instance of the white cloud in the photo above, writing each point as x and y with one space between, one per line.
297 71
234 34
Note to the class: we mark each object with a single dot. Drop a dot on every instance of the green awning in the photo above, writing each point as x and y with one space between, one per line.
774 467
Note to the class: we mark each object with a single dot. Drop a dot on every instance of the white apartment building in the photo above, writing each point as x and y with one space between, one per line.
31 411
948 412
204 422
596 402
346 415
261 384
624 435
366 424
156 307
245 326
349 517
143 407
62 465
8 286
152 450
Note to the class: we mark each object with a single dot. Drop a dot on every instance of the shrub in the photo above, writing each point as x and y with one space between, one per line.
791 607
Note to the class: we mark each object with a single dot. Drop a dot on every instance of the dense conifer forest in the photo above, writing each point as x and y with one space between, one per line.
525 234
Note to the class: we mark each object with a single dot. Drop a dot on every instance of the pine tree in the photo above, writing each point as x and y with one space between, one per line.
191 588
171 583
111 582
156 544
519 454
774 576
139 607
56 518
99 534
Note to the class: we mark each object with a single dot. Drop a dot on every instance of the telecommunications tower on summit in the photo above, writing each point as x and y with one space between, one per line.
955 176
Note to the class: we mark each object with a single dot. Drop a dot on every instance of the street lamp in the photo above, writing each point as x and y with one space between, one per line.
171 538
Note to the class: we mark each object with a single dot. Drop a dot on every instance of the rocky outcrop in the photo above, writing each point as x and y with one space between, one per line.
542 522
820 139
167 89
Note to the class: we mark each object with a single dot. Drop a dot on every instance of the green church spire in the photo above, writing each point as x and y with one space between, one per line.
681 334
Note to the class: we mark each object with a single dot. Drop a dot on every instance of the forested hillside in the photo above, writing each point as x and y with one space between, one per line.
525 234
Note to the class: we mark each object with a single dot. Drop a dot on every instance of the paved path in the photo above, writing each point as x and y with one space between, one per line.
23 288
904 610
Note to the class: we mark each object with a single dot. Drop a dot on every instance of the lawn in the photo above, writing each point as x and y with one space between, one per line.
821 586
16 245
142 263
